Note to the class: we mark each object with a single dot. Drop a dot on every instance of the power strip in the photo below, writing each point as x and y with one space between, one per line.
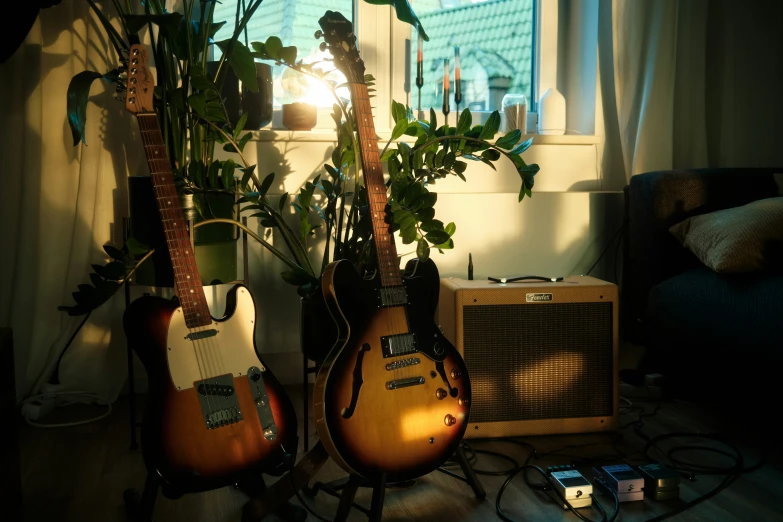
39 408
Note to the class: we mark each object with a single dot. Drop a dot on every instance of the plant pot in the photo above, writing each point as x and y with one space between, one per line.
257 105
299 116
317 329
216 249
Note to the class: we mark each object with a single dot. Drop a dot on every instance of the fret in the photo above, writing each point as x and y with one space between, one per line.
386 250
187 281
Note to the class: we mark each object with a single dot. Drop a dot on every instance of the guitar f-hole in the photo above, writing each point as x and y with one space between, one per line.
347 413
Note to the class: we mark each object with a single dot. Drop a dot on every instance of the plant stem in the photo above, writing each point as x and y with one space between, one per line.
230 139
255 236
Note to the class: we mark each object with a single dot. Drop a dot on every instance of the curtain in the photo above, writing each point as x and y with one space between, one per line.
689 84
59 204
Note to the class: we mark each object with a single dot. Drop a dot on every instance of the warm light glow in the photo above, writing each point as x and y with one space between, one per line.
294 86
548 378
419 425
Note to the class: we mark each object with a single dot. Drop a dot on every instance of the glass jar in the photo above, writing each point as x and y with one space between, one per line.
515 112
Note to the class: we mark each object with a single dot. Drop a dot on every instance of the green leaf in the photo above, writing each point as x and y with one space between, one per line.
78 94
423 250
460 167
264 188
437 237
212 174
228 173
522 147
199 79
114 270
115 253
388 154
296 277
247 173
241 61
399 113
240 125
429 160
272 47
432 225
135 248
404 13
491 127
198 102
427 200
451 228
399 129
408 235
433 123
288 55
465 121
281 202
509 140
491 154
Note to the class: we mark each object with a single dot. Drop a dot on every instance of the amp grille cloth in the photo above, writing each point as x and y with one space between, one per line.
529 362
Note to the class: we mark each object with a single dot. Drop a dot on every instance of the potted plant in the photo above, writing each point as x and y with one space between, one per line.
197 113
335 200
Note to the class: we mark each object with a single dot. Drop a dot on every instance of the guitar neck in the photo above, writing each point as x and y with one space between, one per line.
388 262
186 277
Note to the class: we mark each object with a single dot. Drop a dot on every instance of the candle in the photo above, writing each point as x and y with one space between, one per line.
446 89
420 63
457 82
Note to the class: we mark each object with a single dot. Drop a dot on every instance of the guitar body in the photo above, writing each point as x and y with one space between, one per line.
176 441
366 427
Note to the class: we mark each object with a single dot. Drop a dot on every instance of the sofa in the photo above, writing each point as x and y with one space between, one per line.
708 333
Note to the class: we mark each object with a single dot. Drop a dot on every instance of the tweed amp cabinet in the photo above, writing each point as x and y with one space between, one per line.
541 356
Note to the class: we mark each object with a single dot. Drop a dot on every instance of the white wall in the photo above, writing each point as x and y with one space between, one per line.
560 231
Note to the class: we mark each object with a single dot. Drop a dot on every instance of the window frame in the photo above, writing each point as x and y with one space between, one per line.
381 40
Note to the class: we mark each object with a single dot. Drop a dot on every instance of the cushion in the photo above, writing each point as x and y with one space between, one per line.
734 240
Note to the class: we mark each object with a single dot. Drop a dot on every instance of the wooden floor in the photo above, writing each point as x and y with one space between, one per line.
78 474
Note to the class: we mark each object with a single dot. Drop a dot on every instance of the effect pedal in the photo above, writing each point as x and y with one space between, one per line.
624 481
572 486
660 482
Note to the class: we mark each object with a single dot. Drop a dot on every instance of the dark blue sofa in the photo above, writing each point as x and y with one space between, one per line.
706 332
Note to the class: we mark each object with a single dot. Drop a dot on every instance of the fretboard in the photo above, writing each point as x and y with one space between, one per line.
388 262
186 277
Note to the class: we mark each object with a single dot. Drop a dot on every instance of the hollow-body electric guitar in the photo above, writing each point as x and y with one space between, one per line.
393 396
214 410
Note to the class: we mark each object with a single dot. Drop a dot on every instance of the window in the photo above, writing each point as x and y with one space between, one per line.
495 41
295 22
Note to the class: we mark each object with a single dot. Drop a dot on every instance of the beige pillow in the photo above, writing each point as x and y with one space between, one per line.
740 239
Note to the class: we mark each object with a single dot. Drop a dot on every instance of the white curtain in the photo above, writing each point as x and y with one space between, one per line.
59 203
689 84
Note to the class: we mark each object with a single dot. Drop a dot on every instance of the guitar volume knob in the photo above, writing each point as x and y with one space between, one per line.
456 374
441 394
450 420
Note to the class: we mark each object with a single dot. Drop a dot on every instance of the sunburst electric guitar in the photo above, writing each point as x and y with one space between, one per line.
214 410
392 398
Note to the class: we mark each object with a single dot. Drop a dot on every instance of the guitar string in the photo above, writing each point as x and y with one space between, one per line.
388 268
201 359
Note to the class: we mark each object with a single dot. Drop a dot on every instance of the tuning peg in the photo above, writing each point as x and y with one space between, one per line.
323 46
319 34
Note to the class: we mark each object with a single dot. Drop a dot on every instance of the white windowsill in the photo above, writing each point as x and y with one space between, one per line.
331 137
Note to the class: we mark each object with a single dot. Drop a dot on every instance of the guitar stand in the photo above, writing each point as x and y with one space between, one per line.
348 486
140 506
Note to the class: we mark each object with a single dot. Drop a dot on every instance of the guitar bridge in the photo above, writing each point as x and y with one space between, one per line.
219 403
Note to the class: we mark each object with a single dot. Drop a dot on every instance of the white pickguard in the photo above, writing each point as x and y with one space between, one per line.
231 350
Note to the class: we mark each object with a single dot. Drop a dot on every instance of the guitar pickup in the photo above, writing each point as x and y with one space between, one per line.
195 336
399 344
404 383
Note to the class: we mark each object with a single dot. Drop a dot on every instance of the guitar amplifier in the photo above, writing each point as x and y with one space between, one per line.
541 356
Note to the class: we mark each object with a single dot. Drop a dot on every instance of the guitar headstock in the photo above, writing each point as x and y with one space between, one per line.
141 84
341 42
